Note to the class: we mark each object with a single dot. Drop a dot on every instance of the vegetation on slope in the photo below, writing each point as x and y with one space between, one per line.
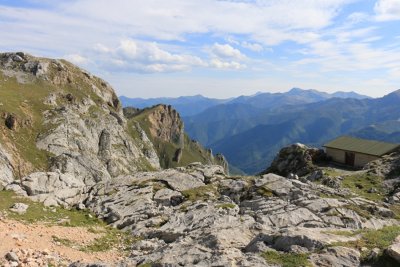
178 150
23 97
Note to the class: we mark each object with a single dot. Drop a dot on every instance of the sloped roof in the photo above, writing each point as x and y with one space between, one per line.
364 146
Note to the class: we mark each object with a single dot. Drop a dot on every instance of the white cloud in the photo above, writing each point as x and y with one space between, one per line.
357 17
227 65
148 57
395 72
252 46
226 51
387 10
76 59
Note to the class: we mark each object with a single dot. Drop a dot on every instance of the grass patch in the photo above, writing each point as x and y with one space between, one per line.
112 239
226 206
363 213
37 212
396 211
206 192
265 192
286 259
63 241
371 239
360 184
25 101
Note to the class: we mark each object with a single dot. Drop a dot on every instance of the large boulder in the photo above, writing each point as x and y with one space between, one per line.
296 159
54 188
394 250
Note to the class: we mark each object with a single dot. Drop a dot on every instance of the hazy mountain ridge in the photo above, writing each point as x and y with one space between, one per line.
248 120
313 124
192 105
185 105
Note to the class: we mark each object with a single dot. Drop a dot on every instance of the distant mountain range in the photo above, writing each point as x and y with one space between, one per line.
185 105
192 105
249 130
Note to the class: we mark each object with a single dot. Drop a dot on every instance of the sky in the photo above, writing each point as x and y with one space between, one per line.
217 48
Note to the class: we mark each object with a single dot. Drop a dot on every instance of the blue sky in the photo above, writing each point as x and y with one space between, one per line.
218 48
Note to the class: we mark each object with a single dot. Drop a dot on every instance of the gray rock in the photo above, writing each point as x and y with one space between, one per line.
11 256
394 250
168 197
54 188
297 159
6 169
315 176
337 257
332 182
19 208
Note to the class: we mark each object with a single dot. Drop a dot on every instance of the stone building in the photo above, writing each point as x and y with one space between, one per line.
357 152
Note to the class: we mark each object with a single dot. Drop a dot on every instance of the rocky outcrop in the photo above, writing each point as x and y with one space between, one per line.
130 112
297 159
80 123
6 168
205 217
394 250
165 124
388 166
336 257
221 160
165 128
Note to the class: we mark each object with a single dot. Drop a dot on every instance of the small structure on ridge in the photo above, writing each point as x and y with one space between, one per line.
357 152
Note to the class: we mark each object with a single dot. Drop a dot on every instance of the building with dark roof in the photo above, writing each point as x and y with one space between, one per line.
357 152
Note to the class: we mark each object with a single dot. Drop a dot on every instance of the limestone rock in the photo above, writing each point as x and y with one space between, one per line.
394 250
6 168
54 188
297 159
19 208
168 197
11 256
337 257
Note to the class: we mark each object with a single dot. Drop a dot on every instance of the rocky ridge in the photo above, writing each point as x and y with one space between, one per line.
164 126
76 122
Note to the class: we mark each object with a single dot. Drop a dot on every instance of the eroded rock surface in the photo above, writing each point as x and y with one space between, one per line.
296 159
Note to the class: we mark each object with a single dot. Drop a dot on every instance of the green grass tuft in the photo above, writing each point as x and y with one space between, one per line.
226 206
37 212
360 184
201 193
111 239
286 259
265 192
371 239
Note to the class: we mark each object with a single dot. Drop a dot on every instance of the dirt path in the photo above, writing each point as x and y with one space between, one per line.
41 237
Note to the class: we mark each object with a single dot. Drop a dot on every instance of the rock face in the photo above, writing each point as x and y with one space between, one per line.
166 124
6 168
79 123
296 159
196 216
164 127
54 189
394 250
388 166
